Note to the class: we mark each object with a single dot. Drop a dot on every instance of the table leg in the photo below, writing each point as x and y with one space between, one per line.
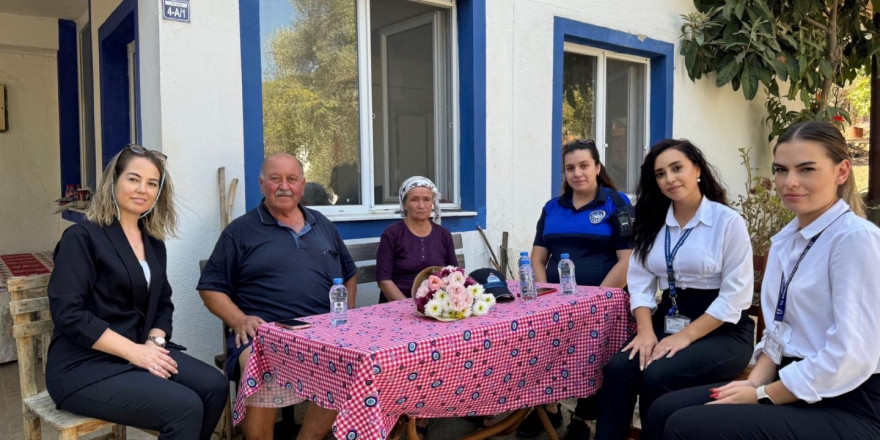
545 421
511 422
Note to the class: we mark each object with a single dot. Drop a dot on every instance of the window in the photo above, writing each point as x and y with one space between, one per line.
362 92
605 97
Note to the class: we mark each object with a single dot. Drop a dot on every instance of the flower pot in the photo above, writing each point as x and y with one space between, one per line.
856 132
759 262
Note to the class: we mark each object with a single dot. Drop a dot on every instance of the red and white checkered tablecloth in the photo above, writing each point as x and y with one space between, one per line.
387 360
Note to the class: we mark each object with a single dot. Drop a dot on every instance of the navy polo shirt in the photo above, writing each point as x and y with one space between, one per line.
589 235
272 272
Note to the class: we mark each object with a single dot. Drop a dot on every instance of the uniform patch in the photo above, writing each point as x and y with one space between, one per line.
597 216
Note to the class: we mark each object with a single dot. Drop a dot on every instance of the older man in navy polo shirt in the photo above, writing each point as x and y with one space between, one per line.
275 262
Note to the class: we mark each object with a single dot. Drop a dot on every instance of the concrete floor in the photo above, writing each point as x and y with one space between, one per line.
11 420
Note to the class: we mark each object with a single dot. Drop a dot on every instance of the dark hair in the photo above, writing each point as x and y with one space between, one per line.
652 205
589 145
835 147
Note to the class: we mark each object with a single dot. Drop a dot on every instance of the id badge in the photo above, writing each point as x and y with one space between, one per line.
675 323
773 343
773 348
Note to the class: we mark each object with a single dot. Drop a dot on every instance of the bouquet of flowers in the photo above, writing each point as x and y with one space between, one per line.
448 294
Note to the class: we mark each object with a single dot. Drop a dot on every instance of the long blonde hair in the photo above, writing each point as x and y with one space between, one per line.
835 147
160 222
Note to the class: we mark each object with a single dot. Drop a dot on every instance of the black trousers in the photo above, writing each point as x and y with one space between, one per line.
683 415
721 355
185 407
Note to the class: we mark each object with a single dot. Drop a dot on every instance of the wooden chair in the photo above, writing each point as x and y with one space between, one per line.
224 428
29 307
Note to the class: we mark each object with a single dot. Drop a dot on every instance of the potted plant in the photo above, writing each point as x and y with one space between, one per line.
763 211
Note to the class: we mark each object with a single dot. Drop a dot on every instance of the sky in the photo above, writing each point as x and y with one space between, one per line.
273 15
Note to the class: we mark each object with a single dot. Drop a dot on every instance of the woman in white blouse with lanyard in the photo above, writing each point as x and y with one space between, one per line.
816 375
690 244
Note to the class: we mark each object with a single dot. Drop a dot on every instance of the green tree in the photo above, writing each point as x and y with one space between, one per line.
310 92
809 45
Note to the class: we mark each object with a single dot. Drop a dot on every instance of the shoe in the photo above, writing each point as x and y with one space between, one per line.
577 430
532 426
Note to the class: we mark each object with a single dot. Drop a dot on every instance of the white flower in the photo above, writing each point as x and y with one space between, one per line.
467 312
476 290
434 308
485 298
480 308
442 296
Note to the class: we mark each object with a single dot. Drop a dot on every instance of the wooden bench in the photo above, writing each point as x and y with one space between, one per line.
364 256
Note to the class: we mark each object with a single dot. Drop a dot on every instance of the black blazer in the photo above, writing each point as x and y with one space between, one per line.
98 283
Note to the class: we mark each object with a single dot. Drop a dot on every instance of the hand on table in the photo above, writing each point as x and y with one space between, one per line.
246 328
643 345
154 359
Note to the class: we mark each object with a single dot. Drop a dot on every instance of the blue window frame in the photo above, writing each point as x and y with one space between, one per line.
114 36
68 105
660 54
472 115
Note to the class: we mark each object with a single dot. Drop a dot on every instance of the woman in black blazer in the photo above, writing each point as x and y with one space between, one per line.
111 303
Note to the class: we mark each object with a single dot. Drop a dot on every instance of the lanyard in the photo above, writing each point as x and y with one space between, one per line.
670 273
783 283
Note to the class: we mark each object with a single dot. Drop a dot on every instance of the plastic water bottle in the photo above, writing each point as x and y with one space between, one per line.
527 281
338 303
567 281
523 256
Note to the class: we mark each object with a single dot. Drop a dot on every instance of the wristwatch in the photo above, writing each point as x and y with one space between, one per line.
158 340
763 397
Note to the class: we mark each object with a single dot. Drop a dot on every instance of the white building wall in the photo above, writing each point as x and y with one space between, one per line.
519 102
191 110
30 176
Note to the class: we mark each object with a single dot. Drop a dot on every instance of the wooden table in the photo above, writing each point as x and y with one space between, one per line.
16 265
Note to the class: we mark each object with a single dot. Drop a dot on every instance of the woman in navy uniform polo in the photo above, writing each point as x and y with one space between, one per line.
583 222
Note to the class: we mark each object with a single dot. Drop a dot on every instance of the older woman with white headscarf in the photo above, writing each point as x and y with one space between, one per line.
414 243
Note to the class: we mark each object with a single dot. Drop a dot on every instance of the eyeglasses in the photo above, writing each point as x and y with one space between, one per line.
578 144
140 150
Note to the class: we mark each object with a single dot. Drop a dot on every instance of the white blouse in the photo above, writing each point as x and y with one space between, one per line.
716 255
832 303
146 267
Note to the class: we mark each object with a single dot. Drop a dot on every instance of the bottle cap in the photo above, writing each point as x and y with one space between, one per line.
564 256
337 280
527 261
523 253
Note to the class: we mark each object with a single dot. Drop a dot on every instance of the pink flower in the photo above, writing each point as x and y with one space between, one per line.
455 277
422 290
456 289
461 301
434 282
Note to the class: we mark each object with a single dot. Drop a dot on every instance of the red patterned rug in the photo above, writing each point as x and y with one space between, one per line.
21 265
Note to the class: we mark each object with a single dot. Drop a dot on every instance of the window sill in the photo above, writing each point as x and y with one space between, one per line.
392 216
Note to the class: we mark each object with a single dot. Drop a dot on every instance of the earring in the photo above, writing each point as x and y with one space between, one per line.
698 180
